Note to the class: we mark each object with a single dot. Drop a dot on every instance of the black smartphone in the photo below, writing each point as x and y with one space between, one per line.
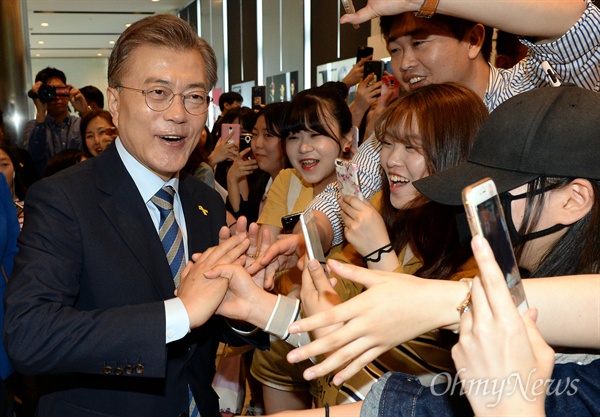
245 142
374 67
289 222
486 218
363 51
259 97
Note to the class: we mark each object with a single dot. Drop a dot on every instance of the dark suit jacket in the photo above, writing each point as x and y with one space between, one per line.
85 301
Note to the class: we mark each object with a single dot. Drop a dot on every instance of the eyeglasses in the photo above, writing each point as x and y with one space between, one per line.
160 99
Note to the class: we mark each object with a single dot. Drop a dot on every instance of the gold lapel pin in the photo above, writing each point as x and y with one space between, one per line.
203 210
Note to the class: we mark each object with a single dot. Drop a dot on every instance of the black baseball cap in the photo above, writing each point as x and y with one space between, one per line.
552 132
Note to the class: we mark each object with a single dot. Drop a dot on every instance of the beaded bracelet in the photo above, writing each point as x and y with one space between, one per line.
384 249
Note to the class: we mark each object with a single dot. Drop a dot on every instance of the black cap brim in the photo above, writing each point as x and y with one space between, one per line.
446 186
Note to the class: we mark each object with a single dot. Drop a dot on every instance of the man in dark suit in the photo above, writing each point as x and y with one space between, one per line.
91 302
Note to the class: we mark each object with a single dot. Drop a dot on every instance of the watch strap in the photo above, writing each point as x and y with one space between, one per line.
427 9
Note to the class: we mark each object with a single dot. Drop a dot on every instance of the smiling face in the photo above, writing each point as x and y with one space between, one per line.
162 141
423 54
313 155
99 133
403 164
267 148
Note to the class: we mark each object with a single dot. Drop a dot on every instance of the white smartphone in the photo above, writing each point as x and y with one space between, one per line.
314 250
347 175
349 8
486 218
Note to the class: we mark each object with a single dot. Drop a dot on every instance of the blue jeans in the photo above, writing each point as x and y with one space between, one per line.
575 391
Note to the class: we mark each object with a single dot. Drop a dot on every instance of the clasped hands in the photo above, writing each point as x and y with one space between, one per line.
229 280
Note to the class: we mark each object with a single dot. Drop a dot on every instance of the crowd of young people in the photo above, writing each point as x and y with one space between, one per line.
376 336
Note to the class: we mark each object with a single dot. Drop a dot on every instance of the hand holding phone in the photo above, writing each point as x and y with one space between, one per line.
373 67
486 218
245 143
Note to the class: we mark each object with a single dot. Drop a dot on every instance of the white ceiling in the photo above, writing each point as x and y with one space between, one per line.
85 28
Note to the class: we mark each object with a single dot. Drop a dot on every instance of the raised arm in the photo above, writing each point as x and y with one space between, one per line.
546 20
397 307
490 333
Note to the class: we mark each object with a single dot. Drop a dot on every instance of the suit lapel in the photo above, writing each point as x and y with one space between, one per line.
200 215
127 212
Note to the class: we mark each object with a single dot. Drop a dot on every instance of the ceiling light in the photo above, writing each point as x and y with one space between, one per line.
154 1
99 54
111 42
37 55
40 42
127 25
45 24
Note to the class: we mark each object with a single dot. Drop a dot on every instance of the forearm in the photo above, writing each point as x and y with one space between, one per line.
325 230
568 309
358 112
546 20
40 115
233 195
265 312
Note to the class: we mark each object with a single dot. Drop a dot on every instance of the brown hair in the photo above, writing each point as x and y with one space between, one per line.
447 118
160 30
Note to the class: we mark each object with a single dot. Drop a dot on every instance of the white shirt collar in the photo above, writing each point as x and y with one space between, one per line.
147 182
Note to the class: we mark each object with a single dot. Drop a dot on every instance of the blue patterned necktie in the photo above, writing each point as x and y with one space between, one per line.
169 232
172 241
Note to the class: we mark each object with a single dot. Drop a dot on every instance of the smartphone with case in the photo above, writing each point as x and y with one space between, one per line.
289 221
486 218
245 142
363 52
227 129
374 67
314 250
347 175
349 8
259 97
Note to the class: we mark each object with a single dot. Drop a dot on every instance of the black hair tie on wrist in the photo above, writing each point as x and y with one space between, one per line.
384 249
326 405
